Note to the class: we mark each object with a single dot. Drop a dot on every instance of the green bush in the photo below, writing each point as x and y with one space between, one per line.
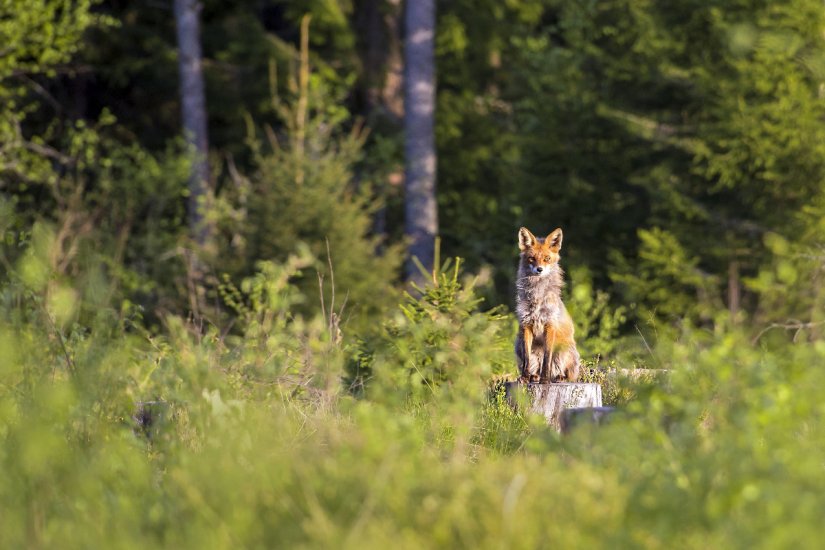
438 341
303 191
257 439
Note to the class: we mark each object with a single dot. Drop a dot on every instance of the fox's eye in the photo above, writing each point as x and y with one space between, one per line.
531 260
547 259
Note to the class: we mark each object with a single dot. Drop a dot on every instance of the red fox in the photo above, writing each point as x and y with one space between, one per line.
545 348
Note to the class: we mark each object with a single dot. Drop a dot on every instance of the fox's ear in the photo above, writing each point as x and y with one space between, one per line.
554 240
525 239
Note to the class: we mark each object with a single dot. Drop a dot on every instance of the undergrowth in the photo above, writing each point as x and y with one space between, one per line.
277 433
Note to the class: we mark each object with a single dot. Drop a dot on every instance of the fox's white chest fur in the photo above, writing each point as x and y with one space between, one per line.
538 299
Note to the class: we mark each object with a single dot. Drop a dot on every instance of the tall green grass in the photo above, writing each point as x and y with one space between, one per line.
281 435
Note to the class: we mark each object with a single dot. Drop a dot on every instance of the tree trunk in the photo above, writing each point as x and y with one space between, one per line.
550 400
392 94
193 110
734 290
421 215
378 22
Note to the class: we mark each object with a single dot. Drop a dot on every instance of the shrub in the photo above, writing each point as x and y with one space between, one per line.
260 444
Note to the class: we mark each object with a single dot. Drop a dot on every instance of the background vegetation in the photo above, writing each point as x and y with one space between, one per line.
299 394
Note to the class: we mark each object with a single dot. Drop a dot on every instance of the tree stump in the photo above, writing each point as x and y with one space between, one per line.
550 400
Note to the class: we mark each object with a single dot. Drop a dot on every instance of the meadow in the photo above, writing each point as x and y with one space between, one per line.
283 436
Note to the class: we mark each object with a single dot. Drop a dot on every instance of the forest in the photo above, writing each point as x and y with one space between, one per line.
258 260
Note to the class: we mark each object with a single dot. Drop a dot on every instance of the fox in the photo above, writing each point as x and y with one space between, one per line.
545 345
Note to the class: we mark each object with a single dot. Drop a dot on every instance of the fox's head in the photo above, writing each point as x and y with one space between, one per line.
539 256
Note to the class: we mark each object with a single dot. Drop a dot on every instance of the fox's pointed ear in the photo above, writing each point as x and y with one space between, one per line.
554 240
525 239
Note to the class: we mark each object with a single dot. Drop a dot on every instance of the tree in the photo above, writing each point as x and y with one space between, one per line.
481 180
39 39
308 198
378 23
193 110
421 212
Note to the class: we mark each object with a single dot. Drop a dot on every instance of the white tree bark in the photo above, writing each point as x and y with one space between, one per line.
421 213
193 109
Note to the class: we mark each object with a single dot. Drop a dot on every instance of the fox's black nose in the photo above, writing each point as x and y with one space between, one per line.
539 269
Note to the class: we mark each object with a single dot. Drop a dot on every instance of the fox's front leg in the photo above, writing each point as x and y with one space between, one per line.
547 366
524 351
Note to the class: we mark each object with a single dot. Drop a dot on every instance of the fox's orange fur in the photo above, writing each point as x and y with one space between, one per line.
545 347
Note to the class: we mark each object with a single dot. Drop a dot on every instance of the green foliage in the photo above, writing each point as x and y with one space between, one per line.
437 343
621 385
305 191
726 452
39 37
109 206
698 116
86 202
790 286
680 145
42 34
597 322
633 125
502 428
665 282
276 346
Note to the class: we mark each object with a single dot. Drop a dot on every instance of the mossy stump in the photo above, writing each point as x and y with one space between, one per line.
550 400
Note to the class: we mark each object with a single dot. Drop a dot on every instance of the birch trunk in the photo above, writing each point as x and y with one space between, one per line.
193 110
421 216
